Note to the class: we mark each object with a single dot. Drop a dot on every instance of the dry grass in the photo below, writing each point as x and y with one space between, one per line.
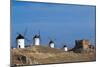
46 55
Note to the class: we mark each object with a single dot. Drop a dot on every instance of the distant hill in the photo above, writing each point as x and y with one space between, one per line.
46 55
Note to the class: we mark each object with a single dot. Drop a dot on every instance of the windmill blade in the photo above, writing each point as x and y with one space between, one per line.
39 32
53 36
39 35
55 39
17 33
25 31
49 38
27 39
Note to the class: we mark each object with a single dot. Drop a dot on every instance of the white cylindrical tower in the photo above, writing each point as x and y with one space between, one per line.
51 44
65 48
20 41
36 40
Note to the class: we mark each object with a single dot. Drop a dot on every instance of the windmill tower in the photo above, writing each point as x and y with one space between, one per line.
21 38
20 41
65 48
51 44
36 40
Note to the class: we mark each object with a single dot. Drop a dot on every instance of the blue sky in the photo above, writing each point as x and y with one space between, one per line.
65 23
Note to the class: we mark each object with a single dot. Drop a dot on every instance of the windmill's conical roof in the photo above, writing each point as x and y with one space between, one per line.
20 37
51 42
36 36
64 46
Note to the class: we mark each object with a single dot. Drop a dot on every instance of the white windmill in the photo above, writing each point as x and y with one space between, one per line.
20 41
51 44
65 48
37 39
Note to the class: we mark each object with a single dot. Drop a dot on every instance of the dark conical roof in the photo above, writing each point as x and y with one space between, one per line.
64 46
20 37
36 36
51 42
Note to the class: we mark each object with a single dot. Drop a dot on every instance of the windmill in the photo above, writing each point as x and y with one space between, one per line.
21 38
65 46
37 39
51 42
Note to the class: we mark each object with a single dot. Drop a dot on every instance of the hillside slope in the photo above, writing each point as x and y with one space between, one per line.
45 55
